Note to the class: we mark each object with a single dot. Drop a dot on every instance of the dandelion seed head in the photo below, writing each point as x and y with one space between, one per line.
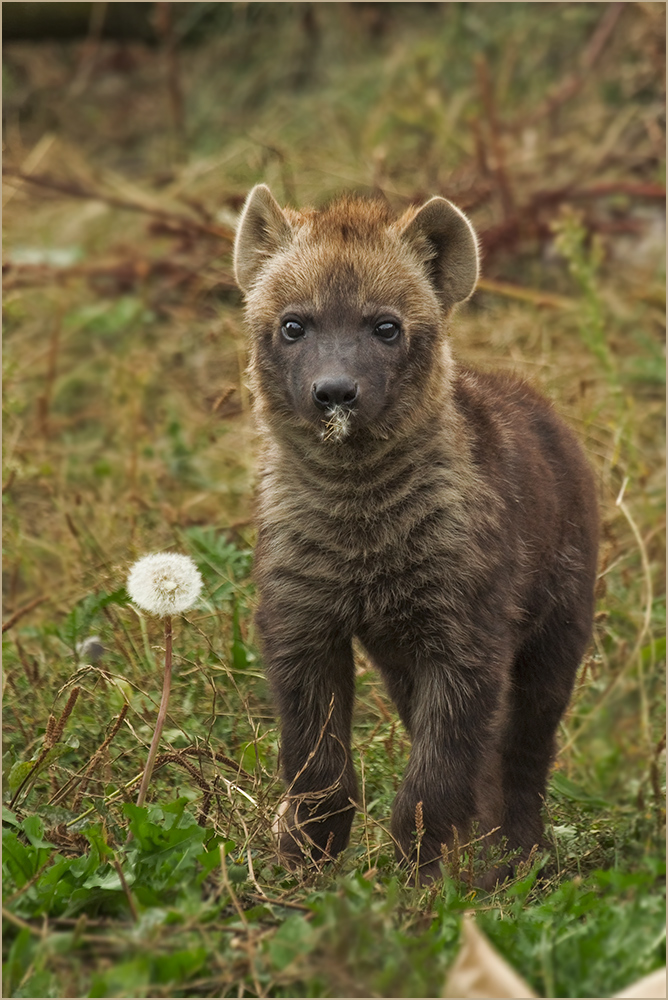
164 583
337 425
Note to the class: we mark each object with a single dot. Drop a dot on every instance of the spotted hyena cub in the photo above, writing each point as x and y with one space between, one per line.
444 517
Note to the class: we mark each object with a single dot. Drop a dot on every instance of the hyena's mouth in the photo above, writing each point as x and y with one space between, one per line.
336 426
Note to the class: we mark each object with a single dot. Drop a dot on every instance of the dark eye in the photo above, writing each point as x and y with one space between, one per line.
387 330
292 330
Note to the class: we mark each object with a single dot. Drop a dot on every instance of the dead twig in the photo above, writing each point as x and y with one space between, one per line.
32 160
23 924
91 48
176 758
573 83
7 485
126 890
280 902
645 629
165 27
486 92
533 218
54 730
532 295
217 758
242 916
20 612
97 756
125 272
634 189
73 190
220 400
44 400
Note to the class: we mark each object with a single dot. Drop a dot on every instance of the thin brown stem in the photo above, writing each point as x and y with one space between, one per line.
74 190
126 890
489 104
574 82
12 620
162 712
165 28
52 736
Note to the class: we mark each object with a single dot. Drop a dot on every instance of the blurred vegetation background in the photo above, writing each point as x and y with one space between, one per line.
132 134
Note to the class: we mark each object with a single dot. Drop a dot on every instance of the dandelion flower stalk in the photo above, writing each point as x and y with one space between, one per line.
162 713
163 584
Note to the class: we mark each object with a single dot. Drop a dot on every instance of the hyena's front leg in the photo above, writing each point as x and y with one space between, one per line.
312 676
454 766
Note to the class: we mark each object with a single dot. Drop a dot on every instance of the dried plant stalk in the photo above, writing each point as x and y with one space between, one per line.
54 730
455 863
97 756
162 712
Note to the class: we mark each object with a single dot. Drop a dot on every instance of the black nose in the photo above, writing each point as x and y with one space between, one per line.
338 391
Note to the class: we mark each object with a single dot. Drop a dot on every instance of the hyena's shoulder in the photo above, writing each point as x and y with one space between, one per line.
523 446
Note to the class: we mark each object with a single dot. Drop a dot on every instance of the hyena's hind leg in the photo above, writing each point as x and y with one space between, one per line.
542 683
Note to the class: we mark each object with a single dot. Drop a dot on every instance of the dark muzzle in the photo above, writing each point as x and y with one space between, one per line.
338 391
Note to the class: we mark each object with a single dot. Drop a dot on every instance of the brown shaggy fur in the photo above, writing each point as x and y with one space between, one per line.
445 518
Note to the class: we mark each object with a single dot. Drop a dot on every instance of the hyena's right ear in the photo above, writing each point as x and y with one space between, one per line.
262 230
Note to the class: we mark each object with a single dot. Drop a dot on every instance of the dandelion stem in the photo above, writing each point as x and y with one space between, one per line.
162 712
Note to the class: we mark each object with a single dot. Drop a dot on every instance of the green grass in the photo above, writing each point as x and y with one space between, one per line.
127 429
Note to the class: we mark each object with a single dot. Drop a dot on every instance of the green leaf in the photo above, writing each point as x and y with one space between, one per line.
209 859
570 790
33 828
18 774
95 837
18 961
293 938
253 753
180 965
9 817
17 859
108 880
124 979
237 873
654 650
28 769
239 656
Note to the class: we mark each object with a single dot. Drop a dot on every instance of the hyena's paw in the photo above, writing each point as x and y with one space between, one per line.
288 849
417 841
310 841
424 836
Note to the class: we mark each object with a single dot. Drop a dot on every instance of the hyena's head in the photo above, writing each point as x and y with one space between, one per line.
347 311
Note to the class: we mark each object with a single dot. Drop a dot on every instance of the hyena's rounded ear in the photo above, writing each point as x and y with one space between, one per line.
446 242
262 230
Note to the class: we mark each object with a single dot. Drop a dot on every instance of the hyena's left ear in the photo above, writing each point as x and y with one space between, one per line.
446 242
262 230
